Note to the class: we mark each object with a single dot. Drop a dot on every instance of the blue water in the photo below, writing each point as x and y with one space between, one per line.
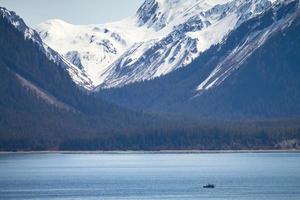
238 176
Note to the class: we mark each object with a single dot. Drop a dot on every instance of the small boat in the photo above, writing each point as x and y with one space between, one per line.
209 186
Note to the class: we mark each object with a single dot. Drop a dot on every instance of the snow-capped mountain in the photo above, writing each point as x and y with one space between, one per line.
253 73
93 47
77 75
163 36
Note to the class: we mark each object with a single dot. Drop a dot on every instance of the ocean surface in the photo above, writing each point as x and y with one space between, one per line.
237 176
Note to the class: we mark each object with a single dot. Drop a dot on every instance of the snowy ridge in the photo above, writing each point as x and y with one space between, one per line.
240 54
184 31
91 48
77 75
163 36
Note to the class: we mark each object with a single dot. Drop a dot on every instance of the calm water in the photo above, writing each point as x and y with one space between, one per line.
247 176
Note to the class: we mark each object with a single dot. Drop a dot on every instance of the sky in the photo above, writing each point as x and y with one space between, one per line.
73 11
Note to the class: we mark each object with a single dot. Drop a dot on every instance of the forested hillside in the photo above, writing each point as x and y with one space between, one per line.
255 106
41 105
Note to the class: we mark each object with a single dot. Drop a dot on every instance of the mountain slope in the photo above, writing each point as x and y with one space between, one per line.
41 108
29 34
254 73
40 105
163 36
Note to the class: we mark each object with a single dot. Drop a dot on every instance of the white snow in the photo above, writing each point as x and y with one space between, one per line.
106 67
98 45
215 33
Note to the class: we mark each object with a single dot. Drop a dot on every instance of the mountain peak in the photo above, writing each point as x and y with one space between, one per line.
147 11
19 24
55 22
159 13
163 36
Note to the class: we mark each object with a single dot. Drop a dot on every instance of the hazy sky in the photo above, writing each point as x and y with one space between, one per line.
73 11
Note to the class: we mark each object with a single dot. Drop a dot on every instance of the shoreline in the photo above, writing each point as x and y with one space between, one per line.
153 152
